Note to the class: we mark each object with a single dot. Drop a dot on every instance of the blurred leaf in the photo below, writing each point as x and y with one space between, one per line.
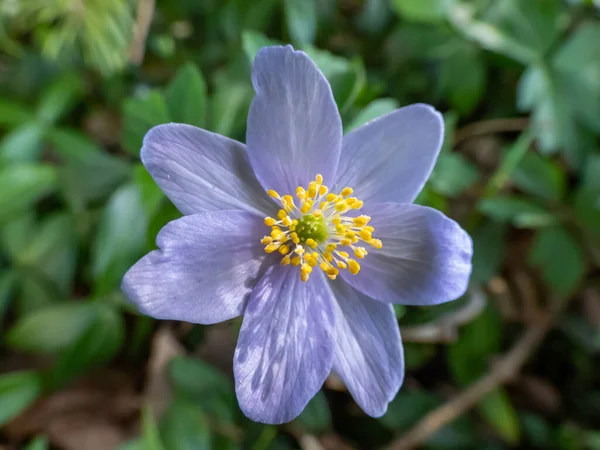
316 417
18 390
417 355
537 430
186 96
51 329
463 78
23 144
533 24
13 114
150 434
183 427
329 63
203 384
489 248
560 258
34 293
407 408
88 173
586 205
98 344
229 107
374 17
195 378
301 19
59 98
488 35
469 357
53 251
16 235
253 41
22 185
521 212
140 114
453 174
375 109
38 443
347 85
539 176
151 194
421 10
7 281
120 239
500 414
578 61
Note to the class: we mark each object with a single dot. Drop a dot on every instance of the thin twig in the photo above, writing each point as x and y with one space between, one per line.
502 372
445 328
141 28
491 126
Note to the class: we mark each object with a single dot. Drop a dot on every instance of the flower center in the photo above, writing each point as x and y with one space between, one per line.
318 232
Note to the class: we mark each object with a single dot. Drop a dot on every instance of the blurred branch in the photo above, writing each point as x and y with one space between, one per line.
445 328
502 372
490 127
141 28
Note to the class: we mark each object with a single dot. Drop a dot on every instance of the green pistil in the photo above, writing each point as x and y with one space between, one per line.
311 227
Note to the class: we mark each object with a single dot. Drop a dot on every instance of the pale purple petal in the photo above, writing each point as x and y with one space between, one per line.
294 128
285 348
425 259
202 171
390 158
368 354
206 266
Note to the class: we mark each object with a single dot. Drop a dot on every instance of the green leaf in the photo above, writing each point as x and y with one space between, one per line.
151 194
205 385
560 259
18 390
373 110
51 329
253 41
7 282
539 176
347 85
22 186
13 114
184 427
407 408
150 434
489 248
470 356
520 211
60 97
316 417
88 173
141 114
500 414
120 239
38 443
301 19
195 378
578 62
23 144
52 251
229 107
453 174
463 78
99 343
429 11
186 96
586 205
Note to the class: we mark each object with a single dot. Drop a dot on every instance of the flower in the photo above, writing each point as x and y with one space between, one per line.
314 271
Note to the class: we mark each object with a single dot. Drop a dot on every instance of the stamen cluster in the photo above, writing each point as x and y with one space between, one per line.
316 231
